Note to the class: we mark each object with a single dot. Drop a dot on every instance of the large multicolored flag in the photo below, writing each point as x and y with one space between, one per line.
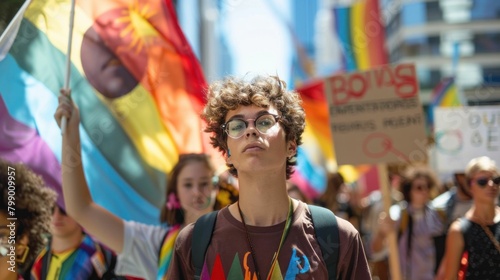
136 81
360 31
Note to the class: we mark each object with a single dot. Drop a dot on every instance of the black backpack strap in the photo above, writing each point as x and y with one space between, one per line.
110 261
450 205
327 234
202 234
465 226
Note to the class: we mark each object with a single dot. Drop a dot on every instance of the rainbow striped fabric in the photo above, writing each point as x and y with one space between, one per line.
360 30
361 34
166 251
137 83
445 94
80 265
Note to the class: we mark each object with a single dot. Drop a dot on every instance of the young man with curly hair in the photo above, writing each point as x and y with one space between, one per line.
25 210
258 127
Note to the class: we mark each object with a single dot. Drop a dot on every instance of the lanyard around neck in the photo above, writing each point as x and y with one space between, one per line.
283 237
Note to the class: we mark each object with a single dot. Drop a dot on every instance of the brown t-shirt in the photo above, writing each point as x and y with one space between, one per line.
228 255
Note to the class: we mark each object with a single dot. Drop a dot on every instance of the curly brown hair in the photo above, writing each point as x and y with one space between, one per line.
33 205
262 91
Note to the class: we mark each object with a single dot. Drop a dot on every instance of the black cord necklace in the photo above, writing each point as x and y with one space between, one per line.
283 237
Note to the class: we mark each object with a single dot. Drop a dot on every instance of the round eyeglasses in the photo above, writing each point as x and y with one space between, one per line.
235 128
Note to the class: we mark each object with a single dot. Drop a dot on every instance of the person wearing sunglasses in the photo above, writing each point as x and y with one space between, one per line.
25 209
416 223
258 126
453 204
473 241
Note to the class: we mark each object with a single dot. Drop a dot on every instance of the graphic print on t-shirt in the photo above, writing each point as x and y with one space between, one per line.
242 268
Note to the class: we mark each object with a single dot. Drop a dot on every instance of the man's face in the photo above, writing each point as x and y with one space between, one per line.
61 225
255 150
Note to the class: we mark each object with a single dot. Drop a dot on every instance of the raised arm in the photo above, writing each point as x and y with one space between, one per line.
96 220
385 226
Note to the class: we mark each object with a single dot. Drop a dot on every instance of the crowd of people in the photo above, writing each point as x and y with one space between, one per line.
263 227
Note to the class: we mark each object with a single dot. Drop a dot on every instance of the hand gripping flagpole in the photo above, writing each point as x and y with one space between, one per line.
68 59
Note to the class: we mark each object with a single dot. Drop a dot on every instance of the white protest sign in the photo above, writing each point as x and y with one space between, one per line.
463 133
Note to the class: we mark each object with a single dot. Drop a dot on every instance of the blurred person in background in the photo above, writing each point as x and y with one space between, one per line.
72 254
473 242
416 224
452 205
337 198
23 196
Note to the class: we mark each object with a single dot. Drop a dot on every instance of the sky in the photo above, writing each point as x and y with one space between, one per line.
258 41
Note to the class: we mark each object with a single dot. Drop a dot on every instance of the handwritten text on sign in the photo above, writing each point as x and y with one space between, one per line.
376 116
465 133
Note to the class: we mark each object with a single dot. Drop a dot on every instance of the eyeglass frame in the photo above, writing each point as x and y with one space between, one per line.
484 181
224 126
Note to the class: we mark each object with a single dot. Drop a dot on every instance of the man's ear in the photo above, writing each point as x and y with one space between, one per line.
292 149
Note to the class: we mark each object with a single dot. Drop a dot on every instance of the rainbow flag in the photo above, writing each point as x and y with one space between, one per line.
360 31
445 94
316 155
317 149
166 251
136 81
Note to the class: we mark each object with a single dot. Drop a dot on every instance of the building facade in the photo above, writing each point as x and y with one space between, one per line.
445 38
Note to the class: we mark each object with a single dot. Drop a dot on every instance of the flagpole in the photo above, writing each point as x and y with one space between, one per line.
68 58
454 67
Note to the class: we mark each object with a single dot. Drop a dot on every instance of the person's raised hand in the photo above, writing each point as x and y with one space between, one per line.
385 223
68 109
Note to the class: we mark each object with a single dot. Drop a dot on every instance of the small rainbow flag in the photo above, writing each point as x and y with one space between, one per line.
360 31
445 94
139 88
